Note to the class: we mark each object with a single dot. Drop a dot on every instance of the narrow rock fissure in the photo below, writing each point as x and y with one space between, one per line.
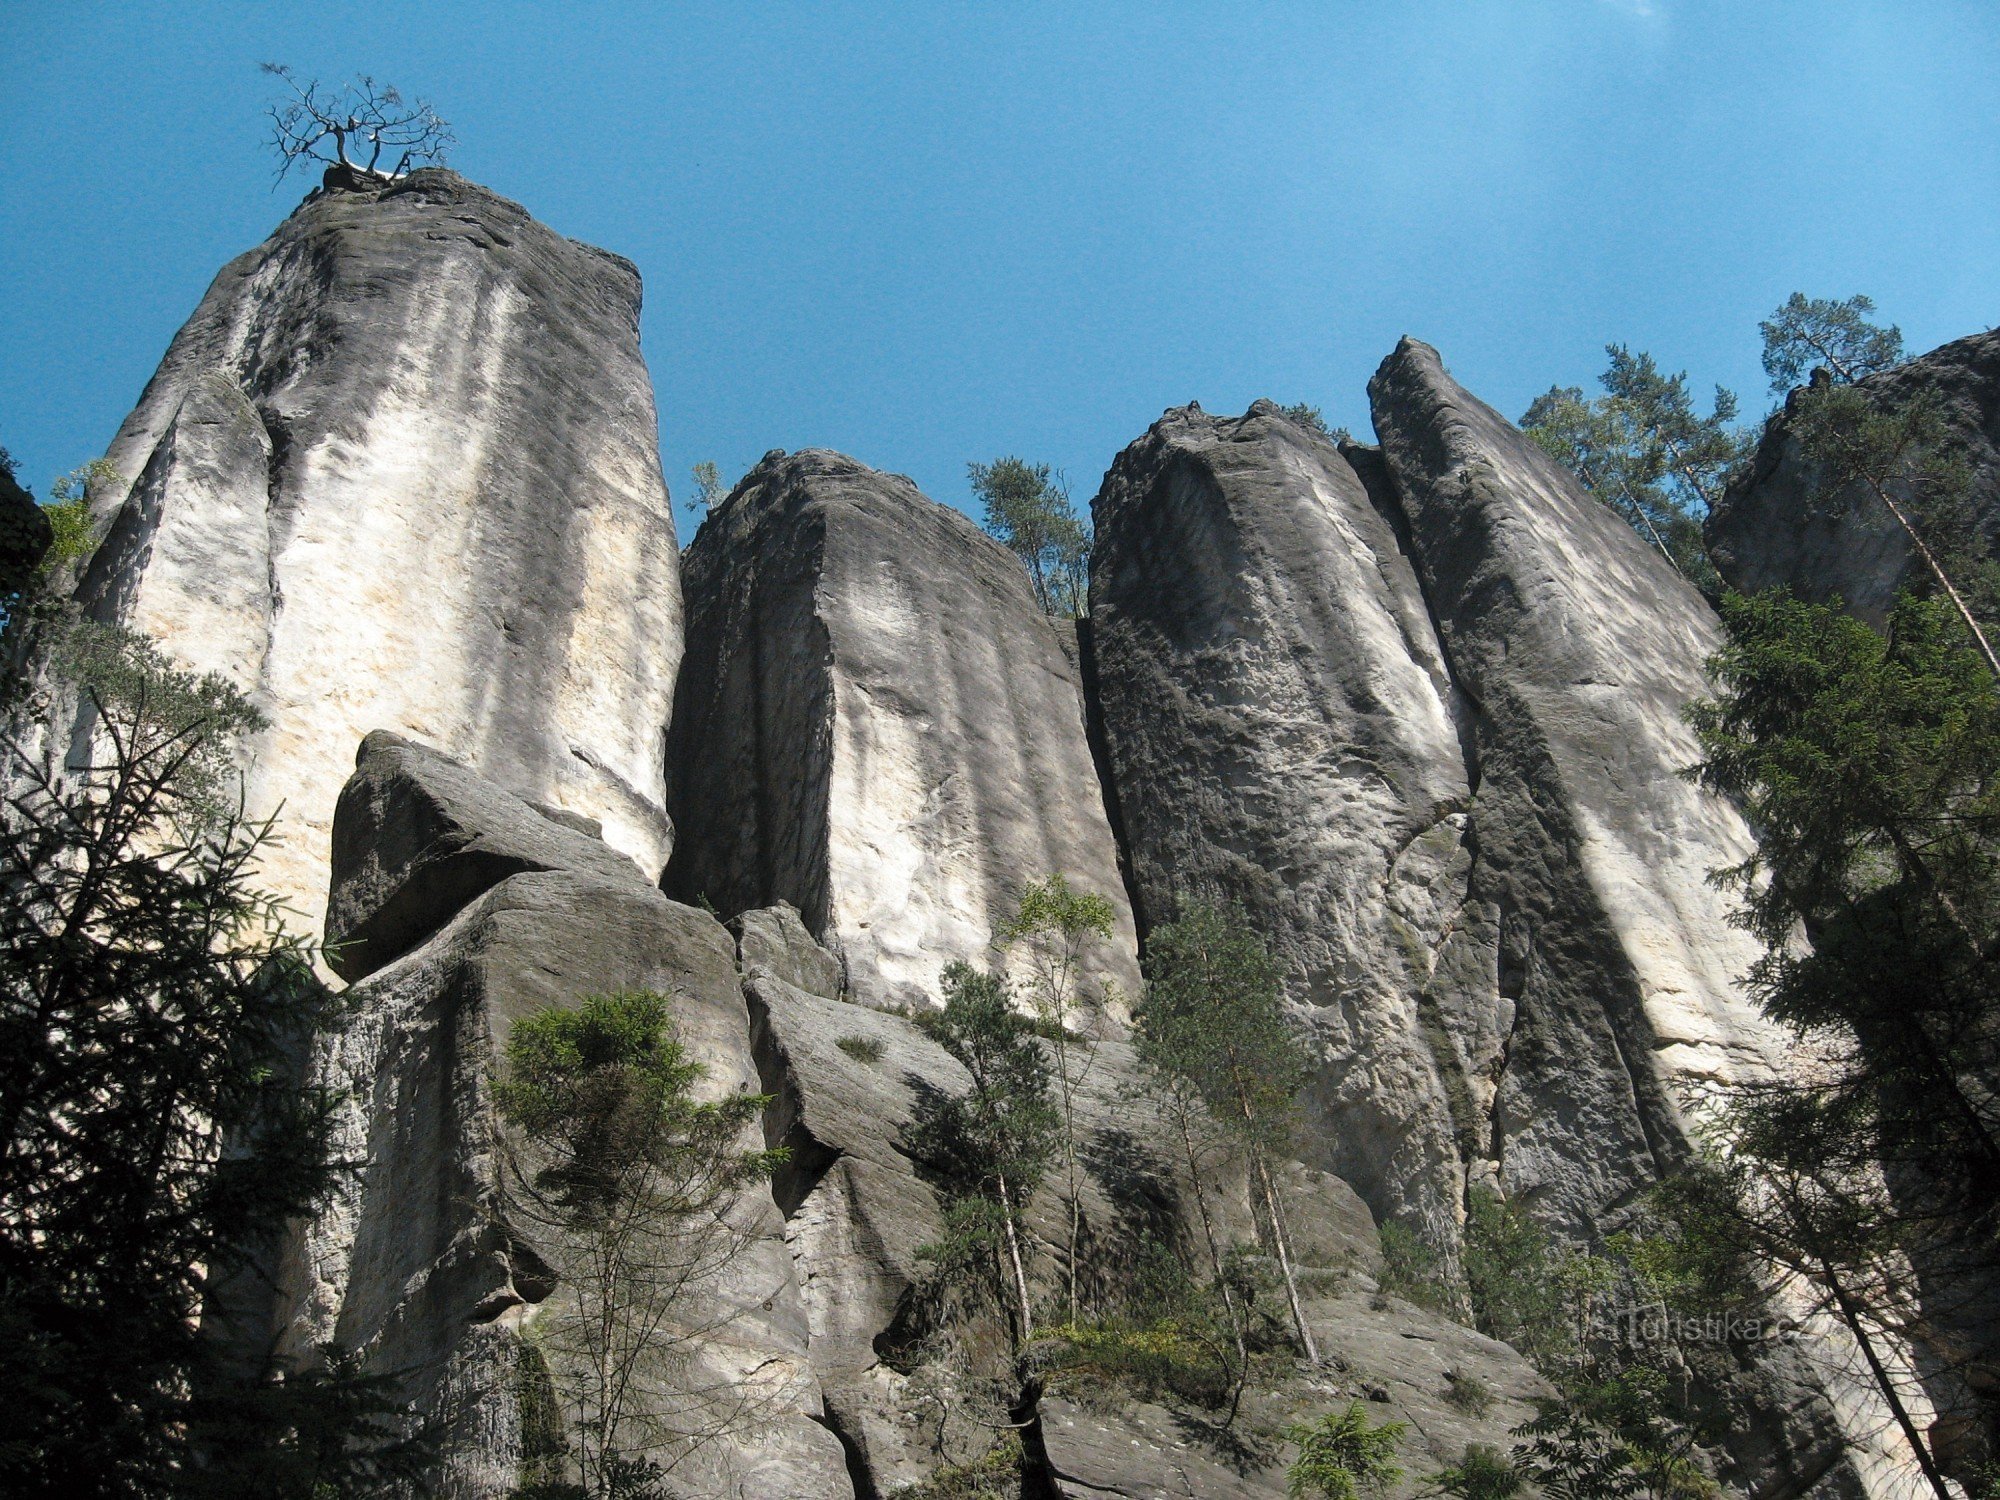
1096 739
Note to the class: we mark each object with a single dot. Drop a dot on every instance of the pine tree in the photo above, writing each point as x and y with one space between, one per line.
1000 1135
153 1136
1214 1015
627 1182
1835 336
1053 923
1028 509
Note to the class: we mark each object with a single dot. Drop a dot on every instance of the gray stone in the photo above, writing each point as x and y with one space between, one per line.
1608 956
1282 733
418 1262
400 470
772 942
877 725
1769 531
416 836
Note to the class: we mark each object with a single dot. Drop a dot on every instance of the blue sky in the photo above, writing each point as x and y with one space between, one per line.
925 234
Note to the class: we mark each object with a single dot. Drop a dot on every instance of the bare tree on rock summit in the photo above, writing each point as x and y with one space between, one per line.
355 128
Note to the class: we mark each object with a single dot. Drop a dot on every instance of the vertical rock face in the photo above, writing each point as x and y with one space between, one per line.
876 724
1769 531
1615 968
401 470
1281 732
420 1263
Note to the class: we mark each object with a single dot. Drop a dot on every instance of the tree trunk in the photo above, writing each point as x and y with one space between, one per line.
1851 1315
1937 572
1284 1249
1215 1262
1014 1257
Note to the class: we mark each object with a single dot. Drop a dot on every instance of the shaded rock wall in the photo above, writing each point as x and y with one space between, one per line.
1282 733
418 1263
400 469
1769 530
876 724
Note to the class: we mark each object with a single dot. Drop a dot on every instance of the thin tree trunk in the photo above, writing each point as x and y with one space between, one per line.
1851 1315
1014 1255
1215 1262
1937 572
1281 1241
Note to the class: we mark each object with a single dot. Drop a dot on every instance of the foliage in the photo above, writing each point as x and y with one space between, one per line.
1468 1393
1310 418
861 1048
994 1475
1836 336
1413 1270
1612 1439
999 1136
1052 923
1341 1457
1214 1018
709 490
1482 1474
1604 444
153 1135
1870 765
361 124
629 1180
68 510
1028 509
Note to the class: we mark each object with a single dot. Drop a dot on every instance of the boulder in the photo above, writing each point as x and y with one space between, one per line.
877 725
1282 733
1770 531
417 836
420 1263
400 470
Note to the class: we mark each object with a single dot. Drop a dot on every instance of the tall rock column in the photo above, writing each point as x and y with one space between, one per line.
876 724
401 470
1281 731
1618 971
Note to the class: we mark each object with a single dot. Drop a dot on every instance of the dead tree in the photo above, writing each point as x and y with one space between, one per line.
355 128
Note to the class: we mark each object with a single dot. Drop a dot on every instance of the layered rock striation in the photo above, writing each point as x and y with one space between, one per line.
1773 530
1282 734
876 724
400 470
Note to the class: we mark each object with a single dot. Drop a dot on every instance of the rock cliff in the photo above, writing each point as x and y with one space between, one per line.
1418 708
876 724
1282 733
401 470
1770 530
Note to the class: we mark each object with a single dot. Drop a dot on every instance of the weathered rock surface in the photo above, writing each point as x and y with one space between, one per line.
1769 531
1617 968
418 1264
877 725
401 470
851 1086
1606 954
1282 733
416 836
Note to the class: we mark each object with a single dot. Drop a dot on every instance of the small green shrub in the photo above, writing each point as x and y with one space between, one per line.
1483 1474
1342 1458
994 1475
861 1048
1413 1270
1468 1393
